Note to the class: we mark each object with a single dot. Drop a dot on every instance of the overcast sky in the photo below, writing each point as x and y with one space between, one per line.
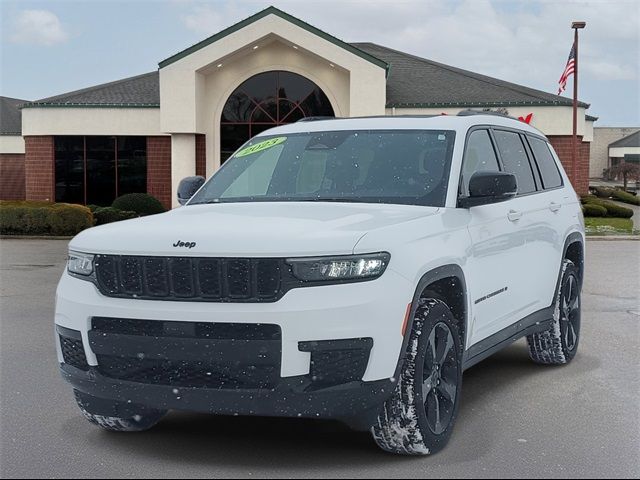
52 46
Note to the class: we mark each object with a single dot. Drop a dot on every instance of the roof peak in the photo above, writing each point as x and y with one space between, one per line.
271 10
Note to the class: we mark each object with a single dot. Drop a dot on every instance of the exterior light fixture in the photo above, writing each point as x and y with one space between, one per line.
255 47
219 65
332 65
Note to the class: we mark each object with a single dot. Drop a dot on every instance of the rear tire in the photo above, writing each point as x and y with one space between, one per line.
419 417
559 344
138 418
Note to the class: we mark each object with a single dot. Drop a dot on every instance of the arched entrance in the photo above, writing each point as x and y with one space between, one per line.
265 101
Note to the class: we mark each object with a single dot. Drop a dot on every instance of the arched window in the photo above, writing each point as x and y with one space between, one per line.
267 100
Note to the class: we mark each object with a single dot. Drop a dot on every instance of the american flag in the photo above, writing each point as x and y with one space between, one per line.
568 70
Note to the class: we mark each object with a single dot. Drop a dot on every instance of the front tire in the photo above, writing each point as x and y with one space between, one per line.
419 417
137 419
559 344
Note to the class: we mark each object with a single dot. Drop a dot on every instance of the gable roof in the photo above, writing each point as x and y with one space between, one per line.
139 91
421 83
285 16
10 116
411 82
632 140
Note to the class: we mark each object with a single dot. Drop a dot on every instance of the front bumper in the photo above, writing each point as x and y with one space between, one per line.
356 400
335 354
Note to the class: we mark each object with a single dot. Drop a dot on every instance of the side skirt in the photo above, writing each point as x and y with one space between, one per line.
536 322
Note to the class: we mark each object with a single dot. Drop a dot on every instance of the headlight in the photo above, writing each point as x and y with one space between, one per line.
352 267
80 263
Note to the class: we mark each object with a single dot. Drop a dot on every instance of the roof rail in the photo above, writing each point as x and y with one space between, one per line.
316 119
470 113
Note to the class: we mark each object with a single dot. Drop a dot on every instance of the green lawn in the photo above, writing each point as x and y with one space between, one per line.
609 226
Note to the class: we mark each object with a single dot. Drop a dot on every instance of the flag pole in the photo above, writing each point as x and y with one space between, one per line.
574 147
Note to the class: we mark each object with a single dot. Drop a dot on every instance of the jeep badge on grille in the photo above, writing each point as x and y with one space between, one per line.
180 243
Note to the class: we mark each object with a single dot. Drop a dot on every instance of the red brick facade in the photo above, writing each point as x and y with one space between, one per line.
562 146
31 175
39 168
159 169
12 176
201 155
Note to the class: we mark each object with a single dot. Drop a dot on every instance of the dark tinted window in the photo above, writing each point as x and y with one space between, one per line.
265 101
101 170
515 160
132 165
546 163
374 166
479 156
110 166
69 159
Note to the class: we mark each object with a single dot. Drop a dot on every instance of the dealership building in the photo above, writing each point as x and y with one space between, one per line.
145 133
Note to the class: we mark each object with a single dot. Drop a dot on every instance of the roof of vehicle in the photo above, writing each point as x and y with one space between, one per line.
460 123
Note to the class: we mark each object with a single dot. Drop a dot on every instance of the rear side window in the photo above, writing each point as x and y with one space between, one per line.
479 157
515 160
546 163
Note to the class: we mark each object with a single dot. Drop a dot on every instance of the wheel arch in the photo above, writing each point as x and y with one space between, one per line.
448 282
574 251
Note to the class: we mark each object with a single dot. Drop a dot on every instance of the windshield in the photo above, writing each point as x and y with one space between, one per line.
372 166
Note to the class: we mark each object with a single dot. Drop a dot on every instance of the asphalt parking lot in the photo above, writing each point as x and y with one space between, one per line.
516 418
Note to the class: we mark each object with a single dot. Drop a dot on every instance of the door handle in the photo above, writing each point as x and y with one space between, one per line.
514 216
554 207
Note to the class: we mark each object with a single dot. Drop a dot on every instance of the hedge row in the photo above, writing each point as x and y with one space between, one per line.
104 215
141 203
612 209
43 218
617 194
65 219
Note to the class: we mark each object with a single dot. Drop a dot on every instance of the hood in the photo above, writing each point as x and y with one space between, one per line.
277 229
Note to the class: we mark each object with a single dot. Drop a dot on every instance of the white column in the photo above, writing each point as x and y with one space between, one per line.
183 161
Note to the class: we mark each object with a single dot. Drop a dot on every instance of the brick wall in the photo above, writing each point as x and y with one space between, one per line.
562 146
201 155
39 168
12 176
159 169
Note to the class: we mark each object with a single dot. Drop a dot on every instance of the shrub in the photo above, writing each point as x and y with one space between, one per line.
592 210
602 192
43 218
105 215
93 208
613 210
625 197
141 203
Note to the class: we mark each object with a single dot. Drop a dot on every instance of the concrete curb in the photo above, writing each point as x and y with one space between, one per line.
613 238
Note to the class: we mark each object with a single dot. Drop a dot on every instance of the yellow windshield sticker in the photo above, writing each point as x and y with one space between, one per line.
259 147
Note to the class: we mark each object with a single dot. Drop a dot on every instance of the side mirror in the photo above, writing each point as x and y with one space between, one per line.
489 187
188 187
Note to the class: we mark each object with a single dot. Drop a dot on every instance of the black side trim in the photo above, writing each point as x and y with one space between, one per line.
536 322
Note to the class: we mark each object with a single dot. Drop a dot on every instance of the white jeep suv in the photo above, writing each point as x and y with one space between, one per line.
349 269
